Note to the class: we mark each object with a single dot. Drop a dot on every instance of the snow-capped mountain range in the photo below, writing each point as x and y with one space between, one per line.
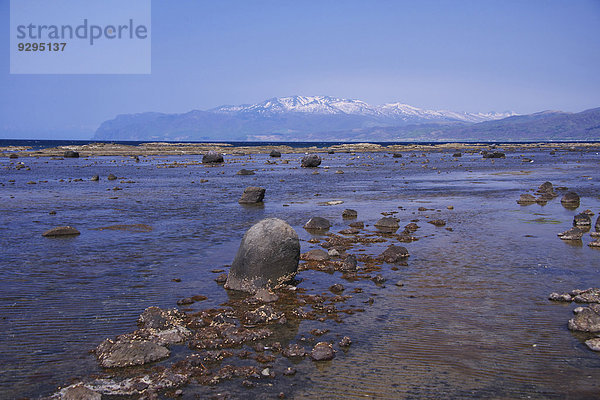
327 105
294 118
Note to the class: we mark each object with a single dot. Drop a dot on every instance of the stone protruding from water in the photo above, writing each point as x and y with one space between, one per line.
268 256
252 195
274 153
571 234
71 154
387 224
317 224
597 226
311 161
582 220
586 320
349 214
394 254
212 157
570 200
61 231
526 199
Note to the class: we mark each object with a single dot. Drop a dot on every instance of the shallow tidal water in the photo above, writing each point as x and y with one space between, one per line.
472 319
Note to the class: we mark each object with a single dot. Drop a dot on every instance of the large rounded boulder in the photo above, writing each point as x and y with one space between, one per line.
311 161
212 157
268 256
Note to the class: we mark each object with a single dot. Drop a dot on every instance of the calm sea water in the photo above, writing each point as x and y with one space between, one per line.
471 321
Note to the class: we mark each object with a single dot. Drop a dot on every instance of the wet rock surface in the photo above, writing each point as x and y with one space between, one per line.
268 256
252 195
61 231
394 254
317 224
387 224
212 157
574 233
311 161
322 351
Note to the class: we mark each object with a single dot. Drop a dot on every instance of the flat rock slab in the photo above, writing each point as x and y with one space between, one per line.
61 231
127 228
127 352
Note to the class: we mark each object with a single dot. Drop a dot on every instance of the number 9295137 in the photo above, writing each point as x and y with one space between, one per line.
50 46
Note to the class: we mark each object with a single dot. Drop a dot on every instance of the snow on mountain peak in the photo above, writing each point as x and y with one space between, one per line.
327 105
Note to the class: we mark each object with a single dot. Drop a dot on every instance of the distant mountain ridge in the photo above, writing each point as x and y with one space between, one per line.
320 118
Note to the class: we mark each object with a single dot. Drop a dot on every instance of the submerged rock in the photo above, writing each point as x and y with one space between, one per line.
212 157
394 254
61 231
311 161
317 224
322 351
565 297
268 256
495 154
315 255
526 199
349 263
387 224
570 200
349 214
437 222
252 195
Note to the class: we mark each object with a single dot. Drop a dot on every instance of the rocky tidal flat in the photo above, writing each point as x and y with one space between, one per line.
408 271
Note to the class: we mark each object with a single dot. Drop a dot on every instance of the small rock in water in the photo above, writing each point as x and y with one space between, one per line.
349 263
495 154
582 220
411 227
457 155
212 157
397 155
125 352
333 253
61 231
349 214
322 351
560 297
311 161
437 222
315 255
252 195
358 224
274 153
111 177
245 172
587 320
317 224
394 254
570 200
593 344
221 279
294 350
71 154
526 199
337 288
268 256
95 178
571 234
345 342
378 279
387 224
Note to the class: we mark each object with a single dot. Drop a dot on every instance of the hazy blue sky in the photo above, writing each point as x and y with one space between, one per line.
524 56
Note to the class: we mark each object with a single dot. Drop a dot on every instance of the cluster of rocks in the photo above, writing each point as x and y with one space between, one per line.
545 193
582 224
586 319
